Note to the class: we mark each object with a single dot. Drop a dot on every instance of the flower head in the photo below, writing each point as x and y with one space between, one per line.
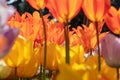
112 20
7 38
88 35
110 48
64 10
36 4
20 53
77 72
5 12
76 54
29 69
95 9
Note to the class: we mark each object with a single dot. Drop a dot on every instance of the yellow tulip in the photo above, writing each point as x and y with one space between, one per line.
29 69
20 53
76 54
51 57
107 73
77 72
23 57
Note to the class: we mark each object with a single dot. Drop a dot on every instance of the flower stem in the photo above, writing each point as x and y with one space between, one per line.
45 44
66 34
97 36
15 75
90 50
117 73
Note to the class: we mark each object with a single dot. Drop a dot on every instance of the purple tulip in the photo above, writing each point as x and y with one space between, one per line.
5 12
9 34
110 49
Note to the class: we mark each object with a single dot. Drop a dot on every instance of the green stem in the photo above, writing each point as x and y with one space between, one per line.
90 50
40 69
97 36
45 44
66 33
15 75
117 73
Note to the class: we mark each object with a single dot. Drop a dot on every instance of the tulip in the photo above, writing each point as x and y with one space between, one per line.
88 36
20 53
76 54
24 21
75 39
64 10
29 69
77 72
51 57
112 20
95 9
56 29
23 58
39 5
91 61
110 48
7 38
107 72
56 54
36 4
5 12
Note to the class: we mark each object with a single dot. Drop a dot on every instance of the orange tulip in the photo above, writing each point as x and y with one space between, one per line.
36 4
112 19
29 24
56 29
95 9
75 39
64 10
88 35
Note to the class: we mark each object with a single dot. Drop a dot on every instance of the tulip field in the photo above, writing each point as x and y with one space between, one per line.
34 47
